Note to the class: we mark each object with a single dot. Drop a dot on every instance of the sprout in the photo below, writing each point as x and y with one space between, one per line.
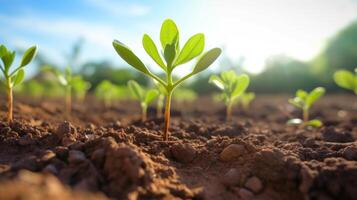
14 78
173 55
80 88
66 79
232 86
304 101
145 97
346 80
246 98
107 92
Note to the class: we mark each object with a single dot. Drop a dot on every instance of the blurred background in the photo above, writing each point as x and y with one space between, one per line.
283 44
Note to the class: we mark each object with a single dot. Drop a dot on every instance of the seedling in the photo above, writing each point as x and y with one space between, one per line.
65 79
80 88
346 80
145 97
173 55
232 86
304 100
106 91
245 99
14 78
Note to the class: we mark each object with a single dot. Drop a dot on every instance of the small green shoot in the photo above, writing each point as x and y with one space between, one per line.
65 79
80 88
14 78
346 80
144 96
245 99
107 92
232 86
173 56
304 100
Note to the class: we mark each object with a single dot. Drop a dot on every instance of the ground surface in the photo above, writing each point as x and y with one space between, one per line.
103 153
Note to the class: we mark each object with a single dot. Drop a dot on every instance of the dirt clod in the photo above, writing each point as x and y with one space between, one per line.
254 184
232 152
183 153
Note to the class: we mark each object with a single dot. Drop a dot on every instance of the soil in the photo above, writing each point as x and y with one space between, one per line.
107 153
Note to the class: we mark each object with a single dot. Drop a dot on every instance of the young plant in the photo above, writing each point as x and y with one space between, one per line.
145 97
65 79
173 55
14 78
346 80
106 91
304 100
232 86
245 99
80 88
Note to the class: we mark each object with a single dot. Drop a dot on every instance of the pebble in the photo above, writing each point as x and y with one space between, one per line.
183 153
75 156
245 194
254 184
232 151
232 177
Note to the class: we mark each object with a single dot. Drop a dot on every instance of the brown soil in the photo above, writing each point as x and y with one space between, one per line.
101 153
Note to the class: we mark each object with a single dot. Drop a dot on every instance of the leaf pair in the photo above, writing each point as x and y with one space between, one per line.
173 55
305 100
231 84
346 80
64 78
7 57
145 97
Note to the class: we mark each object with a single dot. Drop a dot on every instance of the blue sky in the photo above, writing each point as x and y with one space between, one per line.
255 29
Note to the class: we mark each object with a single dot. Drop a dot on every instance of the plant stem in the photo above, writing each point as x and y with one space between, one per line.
9 104
68 100
229 111
305 115
167 116
144 113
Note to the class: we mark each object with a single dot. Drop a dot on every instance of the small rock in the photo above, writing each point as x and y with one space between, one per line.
254 184
47 155
232 178
98 157
350 153
50 169
65 129
75 156
232 152
61 152
245 194
183 153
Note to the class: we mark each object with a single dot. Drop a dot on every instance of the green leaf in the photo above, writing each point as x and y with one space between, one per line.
216 81
301 94
206 60
150 96
240 85
314 95
7 59
193 47
297 102
295 121
346 79
126 54
28 56
136 90
314 123
19 77
169 34
3 50
169 54
151 49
